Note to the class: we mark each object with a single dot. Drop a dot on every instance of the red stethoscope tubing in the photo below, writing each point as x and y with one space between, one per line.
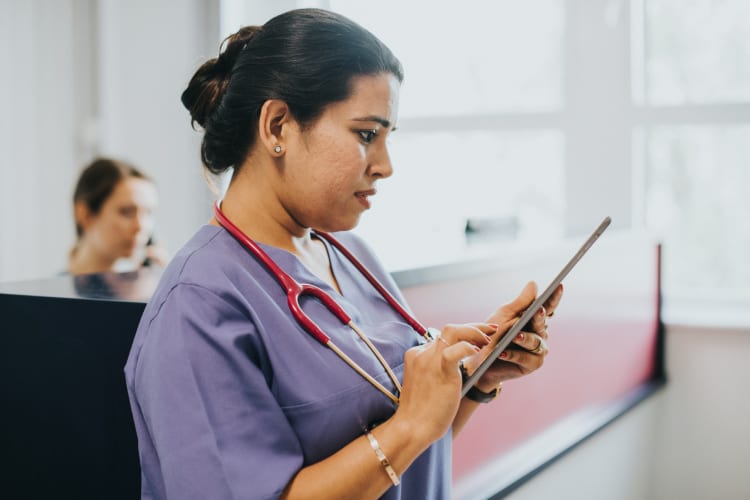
295 290
413 322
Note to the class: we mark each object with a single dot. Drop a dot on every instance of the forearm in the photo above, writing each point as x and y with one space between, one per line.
465 411
355 470
468 407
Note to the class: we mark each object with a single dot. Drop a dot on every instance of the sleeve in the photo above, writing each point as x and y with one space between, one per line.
217 429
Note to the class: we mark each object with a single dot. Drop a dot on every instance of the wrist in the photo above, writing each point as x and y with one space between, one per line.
484 390
479 396
487 385
406 433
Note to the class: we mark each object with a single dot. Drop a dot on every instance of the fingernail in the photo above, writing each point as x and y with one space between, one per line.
476 348
488 338
503 355
519 336
493 325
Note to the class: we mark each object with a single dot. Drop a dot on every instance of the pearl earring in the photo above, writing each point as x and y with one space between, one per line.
277 149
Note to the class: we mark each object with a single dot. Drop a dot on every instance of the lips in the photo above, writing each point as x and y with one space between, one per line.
363 196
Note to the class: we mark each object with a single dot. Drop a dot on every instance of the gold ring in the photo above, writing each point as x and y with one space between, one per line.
539 348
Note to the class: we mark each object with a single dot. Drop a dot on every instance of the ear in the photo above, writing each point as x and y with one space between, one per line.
82 214
274 126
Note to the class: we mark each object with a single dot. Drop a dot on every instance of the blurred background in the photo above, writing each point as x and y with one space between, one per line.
543 114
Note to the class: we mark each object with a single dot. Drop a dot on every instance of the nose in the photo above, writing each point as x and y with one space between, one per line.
142 222
138 222
380 164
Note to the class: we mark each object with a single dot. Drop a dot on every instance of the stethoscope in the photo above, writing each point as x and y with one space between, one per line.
294 291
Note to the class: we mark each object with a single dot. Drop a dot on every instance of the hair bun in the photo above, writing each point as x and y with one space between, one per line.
206 88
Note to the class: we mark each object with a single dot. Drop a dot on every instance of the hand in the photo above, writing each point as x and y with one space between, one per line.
528 350
431 388
155 255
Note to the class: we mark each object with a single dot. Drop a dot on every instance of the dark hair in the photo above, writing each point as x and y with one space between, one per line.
97 181
305 57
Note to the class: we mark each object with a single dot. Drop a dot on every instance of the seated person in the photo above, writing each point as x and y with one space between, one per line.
113 206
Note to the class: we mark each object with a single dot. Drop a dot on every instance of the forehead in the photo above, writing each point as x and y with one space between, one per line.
372 95
134 190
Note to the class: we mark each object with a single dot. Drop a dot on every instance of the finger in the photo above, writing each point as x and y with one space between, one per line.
524 299
551 304
455 353
527 340
538 323
485 328
526 361
471 333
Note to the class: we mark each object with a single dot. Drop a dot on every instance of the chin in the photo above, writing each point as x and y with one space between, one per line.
129 252
339 226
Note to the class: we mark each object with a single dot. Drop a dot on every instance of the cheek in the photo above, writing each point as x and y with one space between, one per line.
345 170
121 227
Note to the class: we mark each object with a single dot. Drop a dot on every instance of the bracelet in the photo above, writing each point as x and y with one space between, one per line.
383 459
477 395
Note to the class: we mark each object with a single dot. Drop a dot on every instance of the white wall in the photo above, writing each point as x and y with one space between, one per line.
691 441
42 98
95 77
615 464
148 52
703 440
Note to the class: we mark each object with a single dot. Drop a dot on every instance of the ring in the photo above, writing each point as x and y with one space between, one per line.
539 347
441 339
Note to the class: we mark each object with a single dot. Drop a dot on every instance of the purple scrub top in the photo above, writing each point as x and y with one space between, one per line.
231 397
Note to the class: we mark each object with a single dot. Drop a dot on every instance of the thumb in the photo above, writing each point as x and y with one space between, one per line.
524 299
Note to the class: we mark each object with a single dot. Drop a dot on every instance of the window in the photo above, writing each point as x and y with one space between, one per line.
697 198
477 123
694 128
698 54
514 110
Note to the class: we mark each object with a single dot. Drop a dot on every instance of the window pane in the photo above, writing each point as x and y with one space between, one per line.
492 56
697 181
441 179
697 51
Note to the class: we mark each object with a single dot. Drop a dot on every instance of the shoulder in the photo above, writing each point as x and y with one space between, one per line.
211 260
208 290
211 268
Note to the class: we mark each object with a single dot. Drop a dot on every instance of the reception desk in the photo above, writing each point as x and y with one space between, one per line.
66 424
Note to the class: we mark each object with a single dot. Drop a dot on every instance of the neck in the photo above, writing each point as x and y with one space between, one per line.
259 214
85 260
253 207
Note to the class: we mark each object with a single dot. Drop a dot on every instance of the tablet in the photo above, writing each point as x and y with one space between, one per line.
508 337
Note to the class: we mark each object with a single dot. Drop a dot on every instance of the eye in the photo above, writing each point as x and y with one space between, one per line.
367 136
128 211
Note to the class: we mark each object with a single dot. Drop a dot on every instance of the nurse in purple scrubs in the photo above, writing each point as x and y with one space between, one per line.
231 396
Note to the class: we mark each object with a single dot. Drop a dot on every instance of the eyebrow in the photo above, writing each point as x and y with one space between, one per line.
373 118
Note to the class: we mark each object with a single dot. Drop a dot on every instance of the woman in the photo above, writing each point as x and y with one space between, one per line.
232 398
113 206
